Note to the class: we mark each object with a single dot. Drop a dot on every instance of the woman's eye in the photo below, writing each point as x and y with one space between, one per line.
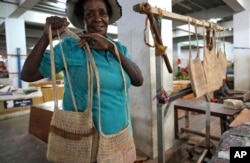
93 14
103 14
89 15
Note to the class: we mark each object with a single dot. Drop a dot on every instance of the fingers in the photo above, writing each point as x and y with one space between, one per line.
81 43
90 36
94 40
57 22
65 22
84 39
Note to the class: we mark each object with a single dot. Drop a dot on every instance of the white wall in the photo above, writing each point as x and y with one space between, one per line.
242 53
143 107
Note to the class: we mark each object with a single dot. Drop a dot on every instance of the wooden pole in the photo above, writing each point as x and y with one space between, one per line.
158 40
146 8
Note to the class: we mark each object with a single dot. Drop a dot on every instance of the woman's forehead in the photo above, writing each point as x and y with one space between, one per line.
94 4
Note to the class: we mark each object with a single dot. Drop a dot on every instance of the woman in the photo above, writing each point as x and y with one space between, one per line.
93 16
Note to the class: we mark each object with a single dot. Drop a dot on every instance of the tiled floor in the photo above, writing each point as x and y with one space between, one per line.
18 146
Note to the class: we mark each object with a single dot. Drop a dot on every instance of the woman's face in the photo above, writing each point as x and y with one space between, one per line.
95 16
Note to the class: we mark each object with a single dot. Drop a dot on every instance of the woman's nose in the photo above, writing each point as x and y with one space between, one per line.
97 17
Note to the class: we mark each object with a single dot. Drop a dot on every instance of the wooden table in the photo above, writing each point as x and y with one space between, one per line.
199 106
14 102
40 117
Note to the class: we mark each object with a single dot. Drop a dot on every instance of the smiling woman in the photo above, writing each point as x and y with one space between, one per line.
114 70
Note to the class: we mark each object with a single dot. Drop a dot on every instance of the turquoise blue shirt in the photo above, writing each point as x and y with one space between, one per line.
112 96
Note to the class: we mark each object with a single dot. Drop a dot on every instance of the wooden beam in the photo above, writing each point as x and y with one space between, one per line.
145 8
199 133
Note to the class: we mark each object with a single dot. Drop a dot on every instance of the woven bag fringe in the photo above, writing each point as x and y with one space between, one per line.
71 133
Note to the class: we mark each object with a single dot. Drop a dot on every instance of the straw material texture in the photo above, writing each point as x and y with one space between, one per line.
223 63
212 66
197 76
70 137
212 70
118 147
196 73
71 132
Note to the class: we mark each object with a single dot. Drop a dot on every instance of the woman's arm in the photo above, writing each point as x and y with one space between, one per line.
30 71
101 43
132 69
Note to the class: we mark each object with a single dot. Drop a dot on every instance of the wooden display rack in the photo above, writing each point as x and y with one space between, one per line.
145 8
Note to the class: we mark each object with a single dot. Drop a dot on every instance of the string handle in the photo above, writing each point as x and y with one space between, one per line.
98 80
53 73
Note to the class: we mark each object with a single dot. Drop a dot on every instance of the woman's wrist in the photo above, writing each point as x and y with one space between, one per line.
45 37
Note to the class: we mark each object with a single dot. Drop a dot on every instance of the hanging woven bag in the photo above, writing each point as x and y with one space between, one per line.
71 132
196 70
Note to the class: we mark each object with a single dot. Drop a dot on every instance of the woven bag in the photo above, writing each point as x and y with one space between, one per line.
118 147
196 73
212 65
71 133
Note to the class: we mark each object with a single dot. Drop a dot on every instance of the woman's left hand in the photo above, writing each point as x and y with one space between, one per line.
99 42
95 41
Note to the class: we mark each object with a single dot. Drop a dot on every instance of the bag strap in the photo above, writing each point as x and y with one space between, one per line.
98 80
91 68
197 42
189 39
144 34
53 73
90 82
214 39
204 36
224 47
89 72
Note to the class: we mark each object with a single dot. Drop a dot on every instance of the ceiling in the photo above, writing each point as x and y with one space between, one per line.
200 9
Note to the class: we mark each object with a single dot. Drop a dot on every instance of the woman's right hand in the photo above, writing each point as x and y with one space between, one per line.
30 71
56 23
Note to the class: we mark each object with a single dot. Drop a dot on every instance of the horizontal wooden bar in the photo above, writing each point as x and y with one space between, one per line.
199 133
146 8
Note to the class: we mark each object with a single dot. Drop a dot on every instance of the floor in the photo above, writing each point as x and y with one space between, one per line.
17 145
